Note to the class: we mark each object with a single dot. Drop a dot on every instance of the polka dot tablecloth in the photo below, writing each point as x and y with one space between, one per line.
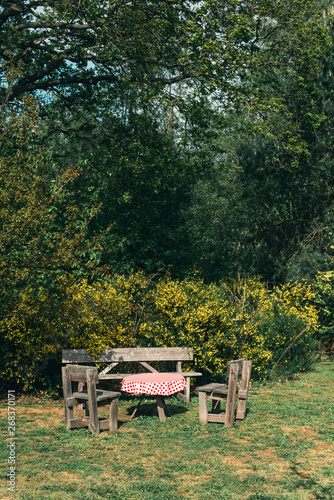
162 384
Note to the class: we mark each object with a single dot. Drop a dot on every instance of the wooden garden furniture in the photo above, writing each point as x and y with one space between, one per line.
230 393
143 355
154 384
90 397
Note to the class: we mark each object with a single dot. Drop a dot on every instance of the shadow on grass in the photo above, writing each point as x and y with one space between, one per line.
149 408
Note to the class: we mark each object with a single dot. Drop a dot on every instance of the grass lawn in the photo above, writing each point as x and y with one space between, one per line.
284 449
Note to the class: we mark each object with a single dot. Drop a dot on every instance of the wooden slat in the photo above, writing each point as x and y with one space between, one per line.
79 422
243 389
104 424
76 399
129 354
120 376
218 418
110 367
106 394
67 391
81 387
77 373
217 397
187 390
213 388
114 376
94 425
231 395
113 415
149 367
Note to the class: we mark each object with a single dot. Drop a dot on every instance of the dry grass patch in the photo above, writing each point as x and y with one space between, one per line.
283 449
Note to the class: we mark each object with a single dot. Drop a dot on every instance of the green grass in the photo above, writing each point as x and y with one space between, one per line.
284 449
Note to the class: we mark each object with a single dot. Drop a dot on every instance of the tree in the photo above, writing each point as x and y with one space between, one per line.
42 231
156 43
66 43
43 236
269 185
138 174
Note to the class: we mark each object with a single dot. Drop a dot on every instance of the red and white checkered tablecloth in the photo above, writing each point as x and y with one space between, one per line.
162 384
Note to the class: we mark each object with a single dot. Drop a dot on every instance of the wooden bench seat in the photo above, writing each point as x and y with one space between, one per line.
142 355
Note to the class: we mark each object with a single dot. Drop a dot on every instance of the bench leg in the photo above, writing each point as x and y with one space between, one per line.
203 407
113 415
231 396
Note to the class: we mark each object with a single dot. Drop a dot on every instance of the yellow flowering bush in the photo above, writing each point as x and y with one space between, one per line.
30 340
275 328
324 285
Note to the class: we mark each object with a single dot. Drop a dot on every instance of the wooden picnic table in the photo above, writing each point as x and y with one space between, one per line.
154 384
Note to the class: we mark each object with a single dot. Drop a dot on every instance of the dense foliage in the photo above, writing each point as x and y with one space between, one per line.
276 329
158 137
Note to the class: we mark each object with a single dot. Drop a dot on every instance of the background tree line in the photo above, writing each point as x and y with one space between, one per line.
165 134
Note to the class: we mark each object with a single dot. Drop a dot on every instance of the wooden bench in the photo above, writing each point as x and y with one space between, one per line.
230 392
89 399
142 355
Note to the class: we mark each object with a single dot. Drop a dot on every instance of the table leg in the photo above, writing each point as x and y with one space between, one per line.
161 408
135 411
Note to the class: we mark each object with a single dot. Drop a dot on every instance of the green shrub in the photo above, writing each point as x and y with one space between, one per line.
275 328
324 285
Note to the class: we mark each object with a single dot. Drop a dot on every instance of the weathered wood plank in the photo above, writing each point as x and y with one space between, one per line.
113 415
187 390
203 407
67 391
231 395
243 389
81 386
129 354
120 376
161 408
110 367
213 388
149 367
77 373
94 426
114 376
79 422
218 418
